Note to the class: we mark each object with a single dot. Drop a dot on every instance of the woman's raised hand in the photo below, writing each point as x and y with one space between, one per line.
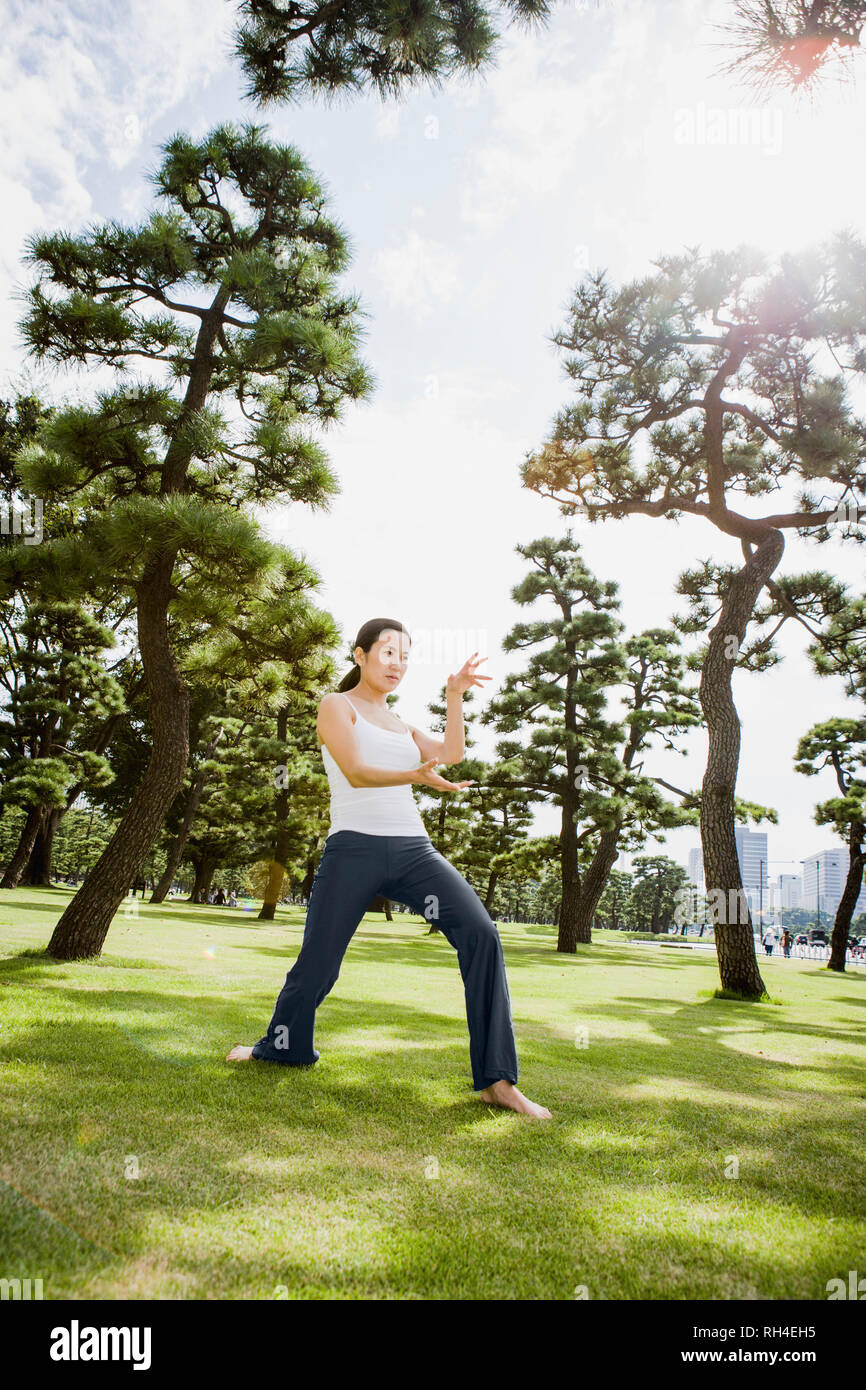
428 778
467 675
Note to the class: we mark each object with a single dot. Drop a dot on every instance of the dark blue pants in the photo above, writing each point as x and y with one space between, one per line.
354 869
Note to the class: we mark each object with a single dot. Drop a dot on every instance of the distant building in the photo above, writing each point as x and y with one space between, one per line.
695 868
790 891
752 856
824 876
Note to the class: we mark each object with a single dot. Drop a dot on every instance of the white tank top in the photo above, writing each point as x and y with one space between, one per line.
375 810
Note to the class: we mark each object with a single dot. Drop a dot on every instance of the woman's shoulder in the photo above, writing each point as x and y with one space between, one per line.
334 698
334 702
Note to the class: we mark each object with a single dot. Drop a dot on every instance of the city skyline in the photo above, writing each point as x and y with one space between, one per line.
820 884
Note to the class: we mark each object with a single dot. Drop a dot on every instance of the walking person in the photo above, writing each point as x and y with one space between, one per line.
378 845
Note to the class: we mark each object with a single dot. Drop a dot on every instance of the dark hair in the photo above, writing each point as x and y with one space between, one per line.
367 635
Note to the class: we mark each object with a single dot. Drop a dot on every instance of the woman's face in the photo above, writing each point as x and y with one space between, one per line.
384 665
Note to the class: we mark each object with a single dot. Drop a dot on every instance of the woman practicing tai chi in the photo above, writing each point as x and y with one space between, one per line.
377 845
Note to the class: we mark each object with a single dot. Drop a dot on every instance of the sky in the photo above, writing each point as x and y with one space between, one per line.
604 140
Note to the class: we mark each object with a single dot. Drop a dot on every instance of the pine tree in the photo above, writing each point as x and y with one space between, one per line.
53 670
268 668
559 699
503 816
840 744
651 363
232 290
656 887
297 48
658 709
615 907
30 643
793 43
577 659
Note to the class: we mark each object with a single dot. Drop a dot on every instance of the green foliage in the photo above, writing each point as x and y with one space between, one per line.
792 43
575 754
20 422
615 907
840 649
658 882
652 428
55 680
231 293
307 48
838 744
810 597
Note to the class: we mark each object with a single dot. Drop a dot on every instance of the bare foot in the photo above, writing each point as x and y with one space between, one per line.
505 1093
240 1054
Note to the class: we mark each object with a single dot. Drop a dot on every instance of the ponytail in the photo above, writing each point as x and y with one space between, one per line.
352 677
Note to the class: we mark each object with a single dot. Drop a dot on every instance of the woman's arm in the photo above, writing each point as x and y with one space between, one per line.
336 729
451 747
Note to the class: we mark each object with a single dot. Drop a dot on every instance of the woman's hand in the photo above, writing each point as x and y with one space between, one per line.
428 778
466 676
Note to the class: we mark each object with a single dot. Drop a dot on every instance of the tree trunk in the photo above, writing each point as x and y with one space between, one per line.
38 871
276 875
178 845
850 894
17 864
655 928
83 927
594 882
572 926
307 884
205 868
735 944
491 890
381 904
282 837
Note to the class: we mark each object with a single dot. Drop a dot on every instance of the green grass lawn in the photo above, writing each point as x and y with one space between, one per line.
137 1163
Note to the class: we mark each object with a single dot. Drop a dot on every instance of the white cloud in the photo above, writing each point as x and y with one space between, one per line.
552 95
82 88
386 126
417 273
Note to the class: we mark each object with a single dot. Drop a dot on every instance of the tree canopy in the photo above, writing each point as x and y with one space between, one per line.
292 49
